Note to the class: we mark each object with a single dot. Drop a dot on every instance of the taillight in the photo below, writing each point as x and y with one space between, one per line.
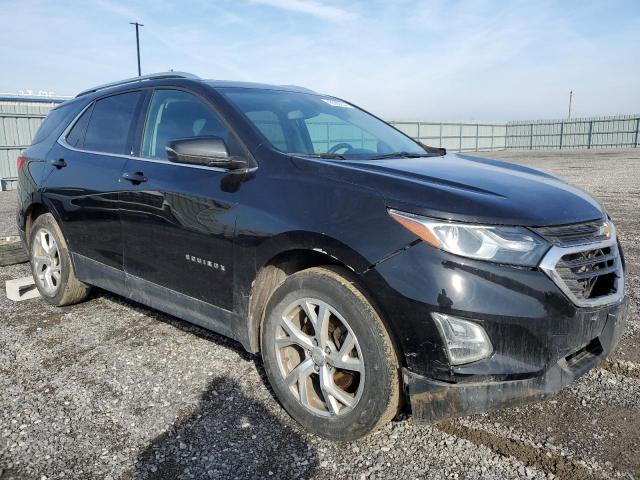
20 162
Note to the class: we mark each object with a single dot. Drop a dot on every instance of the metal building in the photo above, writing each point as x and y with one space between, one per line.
20 117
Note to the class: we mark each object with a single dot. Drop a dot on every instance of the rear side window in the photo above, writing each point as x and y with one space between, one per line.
109 127
53 120
76 135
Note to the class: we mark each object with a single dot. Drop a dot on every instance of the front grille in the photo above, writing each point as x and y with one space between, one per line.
589 273
574 234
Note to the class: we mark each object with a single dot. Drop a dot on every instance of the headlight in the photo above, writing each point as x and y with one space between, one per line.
511 245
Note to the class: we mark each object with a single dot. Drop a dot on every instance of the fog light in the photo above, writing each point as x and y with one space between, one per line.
465 341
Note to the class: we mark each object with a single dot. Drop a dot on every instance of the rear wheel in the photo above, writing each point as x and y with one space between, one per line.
329 356
51 265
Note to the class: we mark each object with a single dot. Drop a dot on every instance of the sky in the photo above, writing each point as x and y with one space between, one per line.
472 60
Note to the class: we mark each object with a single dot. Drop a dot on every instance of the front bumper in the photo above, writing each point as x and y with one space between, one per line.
433 400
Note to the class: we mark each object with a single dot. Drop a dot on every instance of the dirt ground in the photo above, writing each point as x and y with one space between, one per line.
111 389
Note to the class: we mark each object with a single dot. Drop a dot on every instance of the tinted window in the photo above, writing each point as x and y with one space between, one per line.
269 124
53 120
110 124
174 114
76 135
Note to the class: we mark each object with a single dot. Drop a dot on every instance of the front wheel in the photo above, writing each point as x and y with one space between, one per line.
329 356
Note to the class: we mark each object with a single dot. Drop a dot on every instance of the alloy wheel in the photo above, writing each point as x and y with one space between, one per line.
319 357
46 262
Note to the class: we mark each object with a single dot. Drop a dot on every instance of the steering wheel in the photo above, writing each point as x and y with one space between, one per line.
340 146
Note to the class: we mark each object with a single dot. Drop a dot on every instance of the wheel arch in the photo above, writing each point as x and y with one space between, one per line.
299 251
323 246
37 209
287 253
34 210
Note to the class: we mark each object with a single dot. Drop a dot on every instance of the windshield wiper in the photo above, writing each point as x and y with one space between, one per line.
400 155
328 156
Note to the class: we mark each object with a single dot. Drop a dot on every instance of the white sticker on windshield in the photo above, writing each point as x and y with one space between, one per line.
336 103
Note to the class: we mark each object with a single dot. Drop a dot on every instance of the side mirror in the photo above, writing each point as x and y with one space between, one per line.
207 151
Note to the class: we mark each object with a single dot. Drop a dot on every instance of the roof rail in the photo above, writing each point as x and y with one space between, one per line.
151 76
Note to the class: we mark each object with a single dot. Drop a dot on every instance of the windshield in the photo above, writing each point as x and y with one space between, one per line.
316 125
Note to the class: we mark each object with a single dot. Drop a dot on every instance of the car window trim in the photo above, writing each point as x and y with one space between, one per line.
62 140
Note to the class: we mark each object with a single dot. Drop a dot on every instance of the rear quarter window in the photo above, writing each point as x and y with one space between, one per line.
75 138
54 119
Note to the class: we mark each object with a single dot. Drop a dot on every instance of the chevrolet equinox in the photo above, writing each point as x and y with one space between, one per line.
368 270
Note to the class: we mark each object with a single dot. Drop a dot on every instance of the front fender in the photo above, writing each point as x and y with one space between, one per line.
333 249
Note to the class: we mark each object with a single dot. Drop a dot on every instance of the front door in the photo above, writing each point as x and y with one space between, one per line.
177 221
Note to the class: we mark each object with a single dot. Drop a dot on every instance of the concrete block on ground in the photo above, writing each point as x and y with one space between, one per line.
21 289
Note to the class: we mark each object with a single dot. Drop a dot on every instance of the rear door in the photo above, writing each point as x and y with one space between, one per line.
178 220
83 186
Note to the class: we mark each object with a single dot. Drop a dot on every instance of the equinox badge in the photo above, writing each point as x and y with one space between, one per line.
205 263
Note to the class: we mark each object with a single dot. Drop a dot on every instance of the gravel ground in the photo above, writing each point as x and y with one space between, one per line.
111 389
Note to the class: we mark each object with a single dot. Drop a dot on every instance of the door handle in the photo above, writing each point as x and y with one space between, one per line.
59 163
136 177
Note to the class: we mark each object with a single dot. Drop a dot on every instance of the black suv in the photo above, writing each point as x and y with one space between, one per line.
365 267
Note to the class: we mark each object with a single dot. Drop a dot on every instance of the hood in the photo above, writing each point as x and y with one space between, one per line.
472 189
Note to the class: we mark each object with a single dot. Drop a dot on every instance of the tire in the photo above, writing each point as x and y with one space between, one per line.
51 264
352 388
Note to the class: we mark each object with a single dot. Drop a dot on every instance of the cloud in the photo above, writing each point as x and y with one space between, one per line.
312 7
401 59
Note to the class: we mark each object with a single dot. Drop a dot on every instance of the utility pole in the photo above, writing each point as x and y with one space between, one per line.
138 43
570 101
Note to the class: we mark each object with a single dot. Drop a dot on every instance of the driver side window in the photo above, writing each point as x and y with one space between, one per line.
174 114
